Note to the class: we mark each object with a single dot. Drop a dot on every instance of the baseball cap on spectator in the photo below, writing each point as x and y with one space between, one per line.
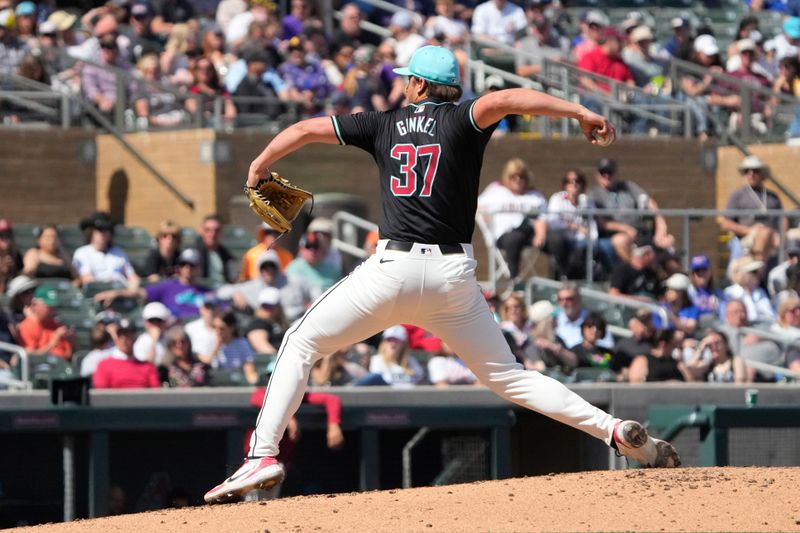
141 10
156 311
745 45
751 162
107 317
678 282
189 256
321 225
7 18
402 19
679 22
706 44
47 28
700 262
46 295
434 64
540 310
18 285
610 32
632 19
641 33
607 165
267 258
594 16
269 296
99 220
25 9
62 20
791 27
396 332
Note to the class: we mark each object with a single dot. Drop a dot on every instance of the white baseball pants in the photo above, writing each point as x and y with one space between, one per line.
433 291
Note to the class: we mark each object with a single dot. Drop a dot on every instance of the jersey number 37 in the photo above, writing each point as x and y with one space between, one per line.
407 154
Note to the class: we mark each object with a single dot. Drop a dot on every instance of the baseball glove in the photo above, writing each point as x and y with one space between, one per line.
276 201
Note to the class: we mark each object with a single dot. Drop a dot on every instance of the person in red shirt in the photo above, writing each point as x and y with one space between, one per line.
122 370
604 60
40 332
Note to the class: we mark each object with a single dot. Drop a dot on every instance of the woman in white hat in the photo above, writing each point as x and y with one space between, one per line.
393 365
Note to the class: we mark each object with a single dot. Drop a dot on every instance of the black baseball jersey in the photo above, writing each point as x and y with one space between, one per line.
429 155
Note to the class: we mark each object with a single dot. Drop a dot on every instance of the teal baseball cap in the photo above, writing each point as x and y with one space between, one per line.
434 64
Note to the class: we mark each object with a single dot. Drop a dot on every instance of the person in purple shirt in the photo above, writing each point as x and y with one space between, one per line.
180 293
305 78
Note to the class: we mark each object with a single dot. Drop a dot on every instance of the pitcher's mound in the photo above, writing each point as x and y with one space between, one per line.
685 499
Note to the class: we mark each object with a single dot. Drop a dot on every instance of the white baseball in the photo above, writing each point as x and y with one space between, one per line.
602 140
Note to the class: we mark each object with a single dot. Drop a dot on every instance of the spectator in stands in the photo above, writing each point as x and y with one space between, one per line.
227 10
787 43
752 234
25 22
213 46
41 333
604 60
48 259
98 23
504 204
405 36
787 82
171 12
536 46
154 105
746 276
185 370
713 361
515 321
336 369
636 279
181 294
448 369
323 228
680 44
682 315
265 332
592 24
728 96
207 87
201 330
788 7
11 263
392 84
393 365
99 259
162 260
151 345
777 279
267 240
349 32
12 49
589 353
230 351
101 338
445 27
173 61
216 261
702 292
305 79
618 232
259 23
340 63
260 81
570 317
650 74
362 84
659 364
295 292
300 17
122 370
310 264
100 84
143 41
20 294
498 20
788 324
640 342
561 232
695 90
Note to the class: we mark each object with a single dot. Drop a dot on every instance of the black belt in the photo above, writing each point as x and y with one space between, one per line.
407 246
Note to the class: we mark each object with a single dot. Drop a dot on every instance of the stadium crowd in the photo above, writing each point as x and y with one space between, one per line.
258 61
190 312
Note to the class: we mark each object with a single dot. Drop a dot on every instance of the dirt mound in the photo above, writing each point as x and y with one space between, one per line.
686 499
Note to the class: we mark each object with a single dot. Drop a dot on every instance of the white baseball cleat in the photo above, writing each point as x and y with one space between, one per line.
634 443
256 473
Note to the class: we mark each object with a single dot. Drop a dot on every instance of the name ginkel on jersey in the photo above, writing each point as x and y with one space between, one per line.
429 157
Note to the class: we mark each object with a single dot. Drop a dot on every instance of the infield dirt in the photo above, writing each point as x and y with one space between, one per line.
685 499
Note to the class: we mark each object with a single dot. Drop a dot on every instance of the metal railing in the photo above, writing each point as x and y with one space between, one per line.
24 382
344 233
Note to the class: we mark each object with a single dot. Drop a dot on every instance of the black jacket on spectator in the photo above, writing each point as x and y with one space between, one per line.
231 273
175 11
254 87
155 263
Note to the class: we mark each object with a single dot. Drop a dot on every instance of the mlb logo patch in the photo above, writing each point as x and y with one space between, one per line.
426 251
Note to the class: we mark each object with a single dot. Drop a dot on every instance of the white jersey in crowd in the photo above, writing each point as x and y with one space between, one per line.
112 265
143 345
507 209
501 24
394 374
201 336
561 213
